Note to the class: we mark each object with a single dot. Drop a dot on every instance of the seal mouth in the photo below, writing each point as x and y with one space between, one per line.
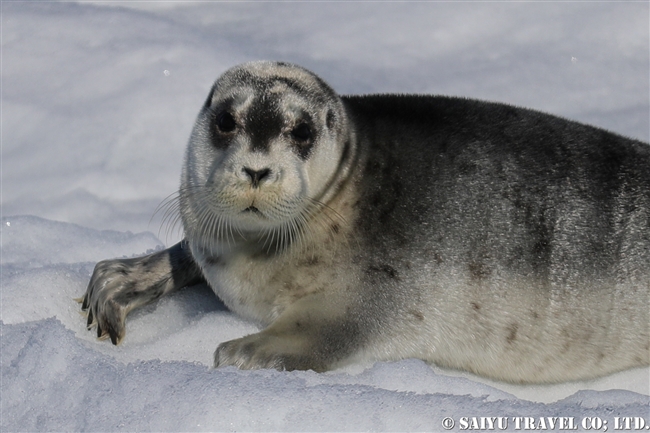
252 209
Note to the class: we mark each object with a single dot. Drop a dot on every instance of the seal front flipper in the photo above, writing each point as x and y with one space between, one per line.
117 286
315 333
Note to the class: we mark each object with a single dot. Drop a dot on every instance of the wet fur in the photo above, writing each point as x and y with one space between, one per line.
474 235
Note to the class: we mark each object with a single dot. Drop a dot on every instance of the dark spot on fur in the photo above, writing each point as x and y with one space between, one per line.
390 271
479 270
335 228
512 333
534 314
387 269
541 247
212 260
417 314
467 167
330 119
475 306
297 291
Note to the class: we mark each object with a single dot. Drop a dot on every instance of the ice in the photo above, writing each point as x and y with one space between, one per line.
53 381
30 241
97 104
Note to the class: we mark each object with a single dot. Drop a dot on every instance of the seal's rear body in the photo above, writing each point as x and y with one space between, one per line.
529 234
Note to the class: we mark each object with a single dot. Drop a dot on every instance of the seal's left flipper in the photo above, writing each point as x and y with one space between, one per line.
314 333
120 285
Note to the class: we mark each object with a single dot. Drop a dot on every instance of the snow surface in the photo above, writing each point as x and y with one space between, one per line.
98 100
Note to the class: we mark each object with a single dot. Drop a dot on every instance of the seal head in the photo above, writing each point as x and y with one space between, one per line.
264 152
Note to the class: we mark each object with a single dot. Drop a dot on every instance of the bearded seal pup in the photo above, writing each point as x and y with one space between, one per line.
474 235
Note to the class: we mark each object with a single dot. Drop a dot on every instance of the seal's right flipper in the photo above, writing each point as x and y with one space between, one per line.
117 286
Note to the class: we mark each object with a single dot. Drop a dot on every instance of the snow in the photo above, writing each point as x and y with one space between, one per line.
98 100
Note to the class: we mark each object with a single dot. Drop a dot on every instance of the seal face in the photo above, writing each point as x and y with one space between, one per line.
264 148
474 235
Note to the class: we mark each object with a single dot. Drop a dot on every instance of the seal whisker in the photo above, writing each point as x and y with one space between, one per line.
172 221
210 228
170 206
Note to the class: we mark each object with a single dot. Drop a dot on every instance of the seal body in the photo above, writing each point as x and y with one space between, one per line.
474 235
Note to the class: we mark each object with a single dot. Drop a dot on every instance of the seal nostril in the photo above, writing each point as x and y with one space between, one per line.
257 175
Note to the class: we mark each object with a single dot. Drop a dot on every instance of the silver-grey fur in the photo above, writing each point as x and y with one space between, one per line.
474 235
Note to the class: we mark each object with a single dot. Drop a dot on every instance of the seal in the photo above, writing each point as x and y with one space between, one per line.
474 235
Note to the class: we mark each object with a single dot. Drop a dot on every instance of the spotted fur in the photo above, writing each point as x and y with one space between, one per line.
475 235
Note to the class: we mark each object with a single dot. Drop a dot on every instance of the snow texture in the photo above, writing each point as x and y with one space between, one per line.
98 100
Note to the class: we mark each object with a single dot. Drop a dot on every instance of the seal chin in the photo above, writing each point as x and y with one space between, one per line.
252 219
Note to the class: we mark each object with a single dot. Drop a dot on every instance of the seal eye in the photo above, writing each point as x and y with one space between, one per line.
301 132
225 122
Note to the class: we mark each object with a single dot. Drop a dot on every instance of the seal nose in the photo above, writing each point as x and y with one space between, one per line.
257 175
